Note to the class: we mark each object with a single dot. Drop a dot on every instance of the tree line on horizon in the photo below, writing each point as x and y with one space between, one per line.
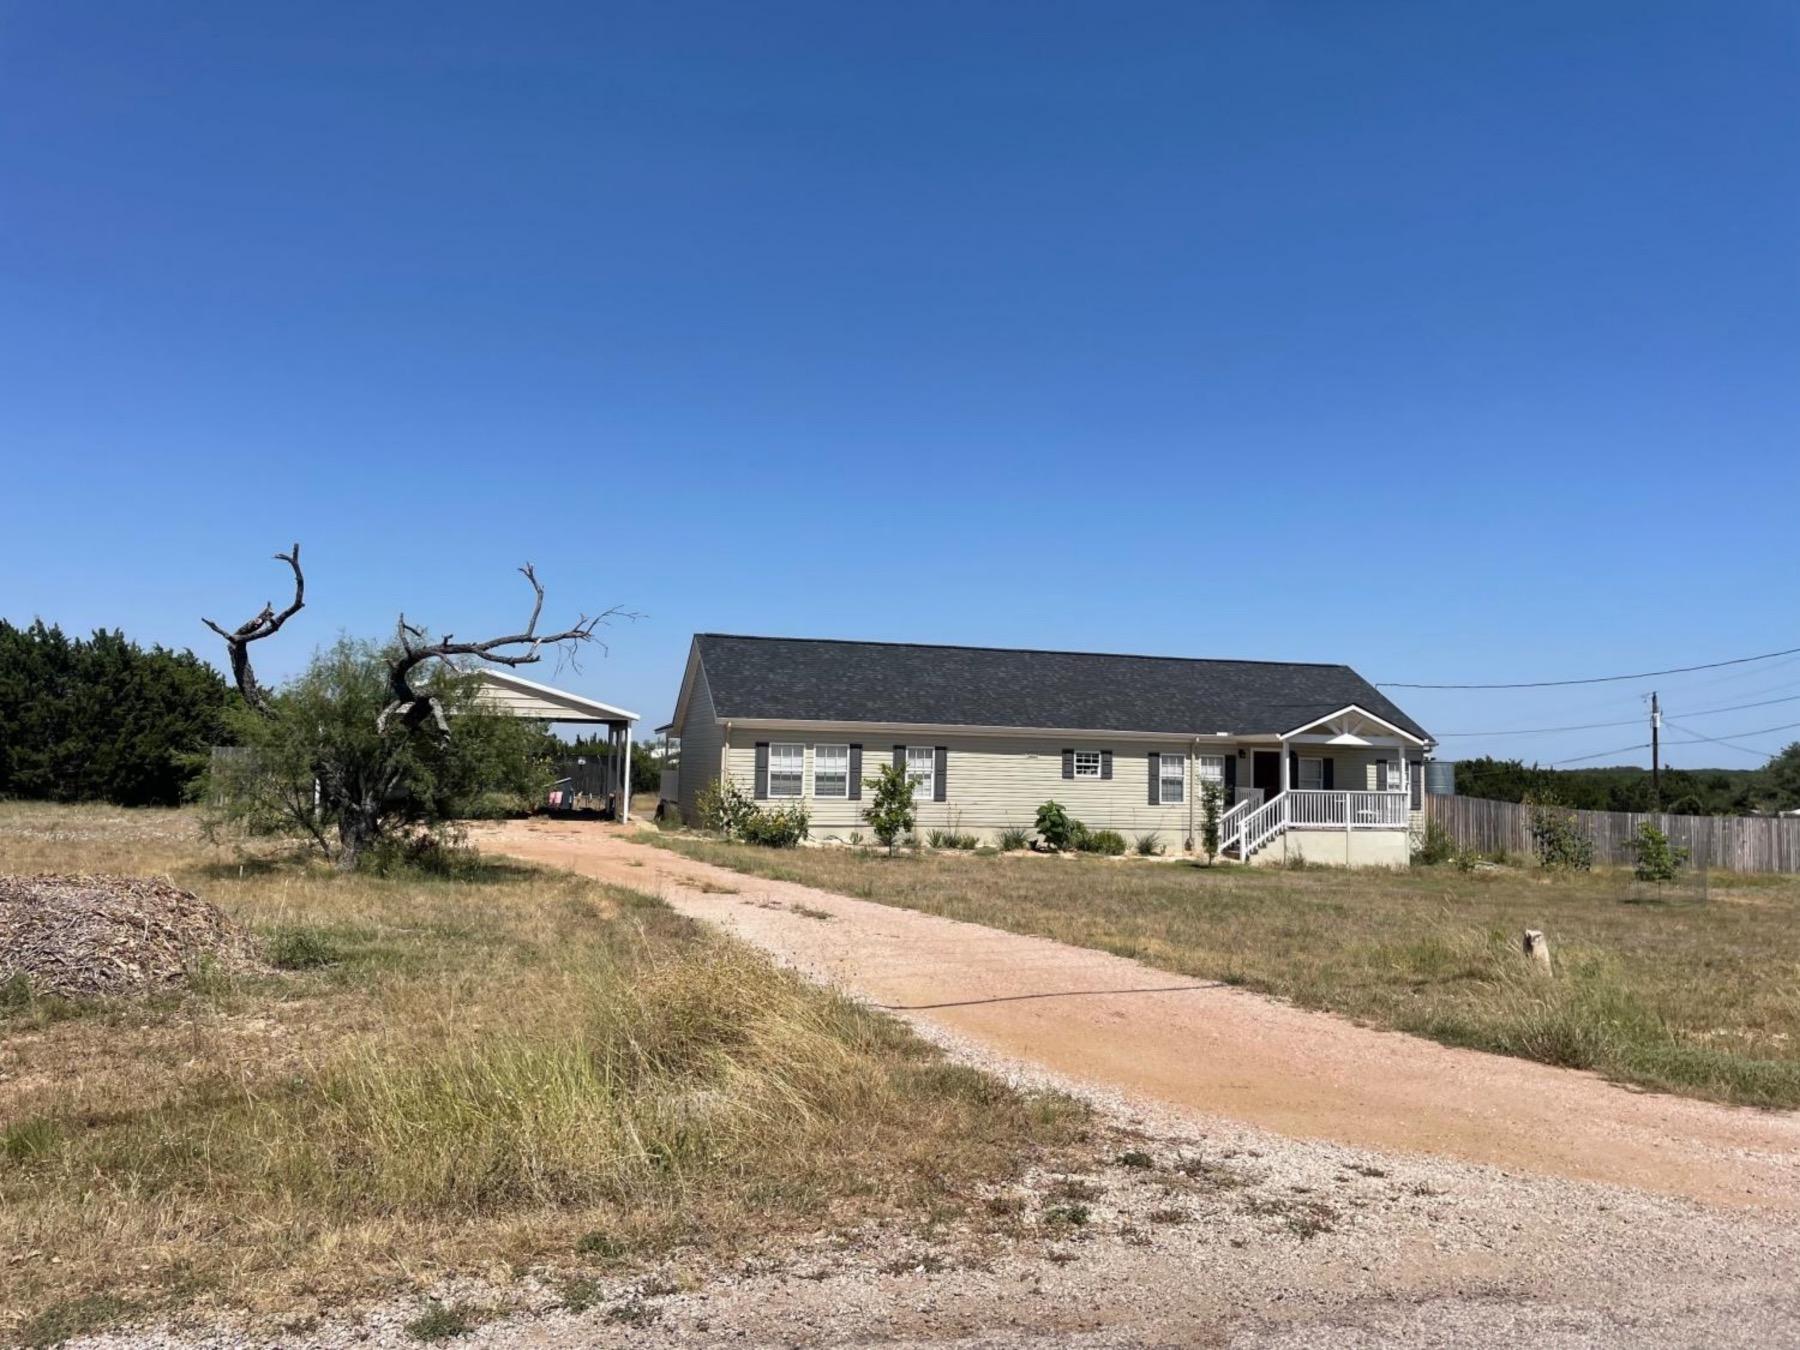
1775 786
103 719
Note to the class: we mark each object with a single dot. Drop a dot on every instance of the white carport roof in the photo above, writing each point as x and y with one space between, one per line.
509 693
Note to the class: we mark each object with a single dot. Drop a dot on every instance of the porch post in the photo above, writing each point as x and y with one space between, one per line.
625 772
1284 763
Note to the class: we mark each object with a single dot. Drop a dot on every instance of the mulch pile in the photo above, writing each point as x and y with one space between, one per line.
81 936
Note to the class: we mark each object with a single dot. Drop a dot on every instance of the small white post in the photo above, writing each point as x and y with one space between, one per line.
625 773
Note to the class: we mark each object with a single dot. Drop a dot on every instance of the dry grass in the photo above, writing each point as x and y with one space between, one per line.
505 1070
1701 999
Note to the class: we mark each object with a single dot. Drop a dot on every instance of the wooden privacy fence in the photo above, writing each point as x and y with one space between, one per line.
1735 843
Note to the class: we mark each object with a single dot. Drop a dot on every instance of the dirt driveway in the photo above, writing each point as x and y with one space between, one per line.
1208 1049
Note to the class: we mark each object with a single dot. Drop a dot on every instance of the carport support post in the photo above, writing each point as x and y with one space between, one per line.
625 772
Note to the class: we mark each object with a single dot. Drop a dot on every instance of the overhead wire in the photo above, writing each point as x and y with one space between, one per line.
1601 754
1727 739
1596 679
1628 722
1699 738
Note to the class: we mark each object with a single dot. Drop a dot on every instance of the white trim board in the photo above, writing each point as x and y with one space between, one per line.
586 709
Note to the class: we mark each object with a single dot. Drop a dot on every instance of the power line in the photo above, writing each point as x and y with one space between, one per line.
1596 679
1699 739
1742 749
1540 731
1628 722
1582 759
1723 740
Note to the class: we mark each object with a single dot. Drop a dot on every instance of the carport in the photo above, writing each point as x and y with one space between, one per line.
517 697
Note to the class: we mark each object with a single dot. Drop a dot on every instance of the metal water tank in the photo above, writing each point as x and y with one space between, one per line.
1440 777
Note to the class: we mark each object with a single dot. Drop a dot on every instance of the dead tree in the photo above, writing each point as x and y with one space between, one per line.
265 624
358 788
413 709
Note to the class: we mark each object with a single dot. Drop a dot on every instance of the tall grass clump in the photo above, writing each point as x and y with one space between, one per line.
1014 838
689 1082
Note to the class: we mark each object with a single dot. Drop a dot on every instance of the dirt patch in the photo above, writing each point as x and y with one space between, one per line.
87 936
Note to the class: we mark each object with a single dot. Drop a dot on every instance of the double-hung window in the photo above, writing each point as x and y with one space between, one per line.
831 771
1312 774
1171 787
1087 763
787 770
921 768
1210 769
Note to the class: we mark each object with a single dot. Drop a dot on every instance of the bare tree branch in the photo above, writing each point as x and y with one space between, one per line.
263 625
414 709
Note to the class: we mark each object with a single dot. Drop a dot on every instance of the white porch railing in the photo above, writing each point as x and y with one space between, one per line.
1263 824
1314 809
1231 824
1317 809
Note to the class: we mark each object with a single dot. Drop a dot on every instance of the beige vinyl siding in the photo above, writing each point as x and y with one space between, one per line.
521 703
1352 770
993 782
700 739
999 781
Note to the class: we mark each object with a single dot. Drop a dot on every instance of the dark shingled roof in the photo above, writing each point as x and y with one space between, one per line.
826 680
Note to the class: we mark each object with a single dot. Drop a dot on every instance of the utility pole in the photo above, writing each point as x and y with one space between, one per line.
1655 753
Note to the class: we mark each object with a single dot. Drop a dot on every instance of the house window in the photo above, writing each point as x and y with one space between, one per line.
831 771
1087 763
787 770
1312 774
921 767
1171 785
1210 769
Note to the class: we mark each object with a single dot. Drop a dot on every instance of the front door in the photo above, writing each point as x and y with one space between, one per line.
1265 771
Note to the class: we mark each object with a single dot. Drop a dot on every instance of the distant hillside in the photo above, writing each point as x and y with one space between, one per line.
1694 792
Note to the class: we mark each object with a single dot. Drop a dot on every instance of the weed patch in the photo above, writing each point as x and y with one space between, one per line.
68 1318
441 1322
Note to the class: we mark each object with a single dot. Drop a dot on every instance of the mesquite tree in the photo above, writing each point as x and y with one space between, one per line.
379 745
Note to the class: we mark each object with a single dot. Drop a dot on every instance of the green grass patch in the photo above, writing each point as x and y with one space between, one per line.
68 1318
441 1322
28 1141
300 948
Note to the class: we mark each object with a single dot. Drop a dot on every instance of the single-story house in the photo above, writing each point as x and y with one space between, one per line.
1312 760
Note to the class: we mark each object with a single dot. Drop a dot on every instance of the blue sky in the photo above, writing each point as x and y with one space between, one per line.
1456 342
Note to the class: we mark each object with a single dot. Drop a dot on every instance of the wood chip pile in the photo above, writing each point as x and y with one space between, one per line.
81 936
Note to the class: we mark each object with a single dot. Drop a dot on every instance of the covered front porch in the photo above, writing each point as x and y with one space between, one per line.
1336 788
